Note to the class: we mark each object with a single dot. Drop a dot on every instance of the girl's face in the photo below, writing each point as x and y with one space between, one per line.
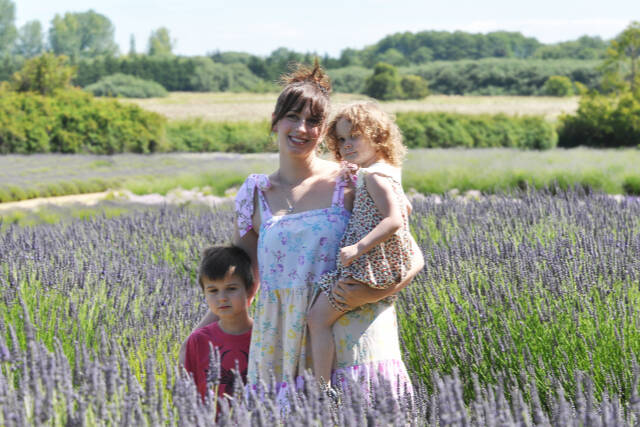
355 148
298 133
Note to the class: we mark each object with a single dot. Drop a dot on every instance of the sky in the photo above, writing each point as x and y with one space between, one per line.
328 26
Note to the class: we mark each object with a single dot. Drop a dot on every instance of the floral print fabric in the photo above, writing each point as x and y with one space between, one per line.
386 263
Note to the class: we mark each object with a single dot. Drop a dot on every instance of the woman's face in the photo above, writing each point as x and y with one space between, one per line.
298 133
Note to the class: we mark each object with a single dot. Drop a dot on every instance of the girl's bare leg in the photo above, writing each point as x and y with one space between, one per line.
321 318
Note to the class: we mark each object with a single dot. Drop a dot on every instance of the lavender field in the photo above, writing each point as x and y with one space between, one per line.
527 313
427 171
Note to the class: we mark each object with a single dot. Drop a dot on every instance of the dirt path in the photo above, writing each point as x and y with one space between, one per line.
176 196
88 199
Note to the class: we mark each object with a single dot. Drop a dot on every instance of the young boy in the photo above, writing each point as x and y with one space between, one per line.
226 279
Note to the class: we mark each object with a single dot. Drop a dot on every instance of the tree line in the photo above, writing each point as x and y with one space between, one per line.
413 64
82 35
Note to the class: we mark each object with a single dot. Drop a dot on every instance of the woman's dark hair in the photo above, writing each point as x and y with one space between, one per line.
217 261
304 85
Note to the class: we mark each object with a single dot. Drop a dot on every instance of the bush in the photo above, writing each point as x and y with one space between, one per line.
558 86
385 83
580 89
44 74
414 87
445 130
236 137
72 121
602 121
126 86
349 79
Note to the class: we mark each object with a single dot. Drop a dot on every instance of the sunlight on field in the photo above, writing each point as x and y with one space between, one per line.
256 107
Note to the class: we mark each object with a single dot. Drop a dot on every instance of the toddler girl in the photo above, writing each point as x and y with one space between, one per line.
376 246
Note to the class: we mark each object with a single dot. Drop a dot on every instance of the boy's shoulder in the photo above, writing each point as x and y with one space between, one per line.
202 336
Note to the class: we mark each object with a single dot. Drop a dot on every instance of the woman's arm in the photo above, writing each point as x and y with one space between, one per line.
382 194
354 294
249 242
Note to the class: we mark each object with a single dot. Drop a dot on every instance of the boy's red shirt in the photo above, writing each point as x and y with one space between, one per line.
231 348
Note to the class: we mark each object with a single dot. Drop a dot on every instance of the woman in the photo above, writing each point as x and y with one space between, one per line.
290 222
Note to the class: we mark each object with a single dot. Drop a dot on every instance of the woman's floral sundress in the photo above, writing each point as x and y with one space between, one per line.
293 252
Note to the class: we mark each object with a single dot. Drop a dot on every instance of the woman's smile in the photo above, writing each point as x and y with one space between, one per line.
297 140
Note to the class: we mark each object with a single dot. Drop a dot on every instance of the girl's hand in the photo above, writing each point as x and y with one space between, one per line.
348 254
354 294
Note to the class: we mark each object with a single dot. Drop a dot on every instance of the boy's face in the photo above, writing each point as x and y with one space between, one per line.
226 297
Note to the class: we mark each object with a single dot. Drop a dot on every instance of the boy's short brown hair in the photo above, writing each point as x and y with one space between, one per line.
217 261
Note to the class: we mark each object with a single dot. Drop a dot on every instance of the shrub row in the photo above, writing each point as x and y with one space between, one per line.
72 121
199 74
237 137
481 77
491 76
420 130
444 130
503 76
127 87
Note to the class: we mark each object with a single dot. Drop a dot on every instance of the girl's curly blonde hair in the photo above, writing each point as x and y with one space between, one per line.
368 120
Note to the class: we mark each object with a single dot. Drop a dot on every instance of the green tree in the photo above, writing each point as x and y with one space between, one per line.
209 76
414 87
7 26
160 43
30 41
421 55
82 35
558 86
384 83
392 56
132 45
43 74
349 57
621 65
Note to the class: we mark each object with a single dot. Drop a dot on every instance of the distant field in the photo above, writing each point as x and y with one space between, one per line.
427 171
256 107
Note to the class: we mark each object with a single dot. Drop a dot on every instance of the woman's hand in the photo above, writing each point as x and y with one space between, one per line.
354 294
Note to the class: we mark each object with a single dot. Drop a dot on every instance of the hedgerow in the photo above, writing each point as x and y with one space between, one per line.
72 121
443 130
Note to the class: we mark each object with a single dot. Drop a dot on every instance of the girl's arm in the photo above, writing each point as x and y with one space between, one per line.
383 196
354 294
